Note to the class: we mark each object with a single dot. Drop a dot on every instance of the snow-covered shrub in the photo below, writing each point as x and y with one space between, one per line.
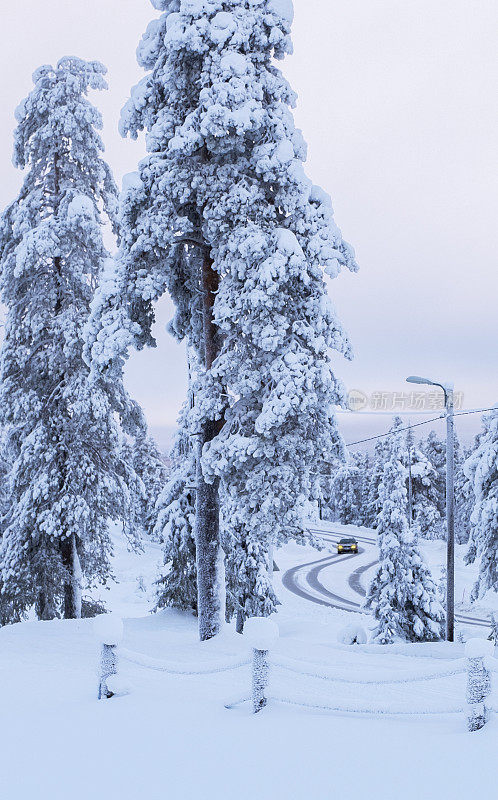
352 634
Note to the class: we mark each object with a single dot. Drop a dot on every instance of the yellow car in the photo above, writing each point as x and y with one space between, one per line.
347 546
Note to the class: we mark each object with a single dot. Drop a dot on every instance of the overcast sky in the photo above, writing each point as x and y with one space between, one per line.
397 100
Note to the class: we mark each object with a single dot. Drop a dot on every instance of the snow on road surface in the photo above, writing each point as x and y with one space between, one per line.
173 737
341 580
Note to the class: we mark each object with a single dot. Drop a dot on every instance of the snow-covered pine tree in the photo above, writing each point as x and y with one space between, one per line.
175 515
482 470
435 450
426 516
222 214
364 465
464 496
347 492
402 596
150 468
8 612
374 480
64 480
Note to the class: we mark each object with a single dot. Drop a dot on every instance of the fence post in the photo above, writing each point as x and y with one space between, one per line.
261 633
478 681
108 630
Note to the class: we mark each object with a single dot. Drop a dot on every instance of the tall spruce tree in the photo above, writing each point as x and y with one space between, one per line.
374 480
150 469
222 214
348 491
425 484
174 528
435 450
464 497
402 595
482 471
65 481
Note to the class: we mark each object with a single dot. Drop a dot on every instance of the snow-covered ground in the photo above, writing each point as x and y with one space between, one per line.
173 737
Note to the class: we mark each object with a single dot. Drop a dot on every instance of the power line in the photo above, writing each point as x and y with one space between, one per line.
418 424
398 430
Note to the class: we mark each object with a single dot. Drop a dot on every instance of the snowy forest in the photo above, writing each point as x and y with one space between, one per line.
334 567
220 214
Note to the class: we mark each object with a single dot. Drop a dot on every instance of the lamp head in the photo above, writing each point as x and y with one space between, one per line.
416 379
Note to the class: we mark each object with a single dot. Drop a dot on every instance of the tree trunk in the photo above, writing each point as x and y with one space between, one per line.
240 620
207 512
45 608
72 586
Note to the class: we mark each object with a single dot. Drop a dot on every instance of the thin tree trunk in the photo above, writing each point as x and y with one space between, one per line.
240 620
45 608
207 511
72 586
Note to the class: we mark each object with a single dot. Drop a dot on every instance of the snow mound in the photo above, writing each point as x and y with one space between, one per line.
479 648
108 628
261 632
352 634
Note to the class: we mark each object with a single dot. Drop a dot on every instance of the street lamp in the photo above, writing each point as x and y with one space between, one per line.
450 501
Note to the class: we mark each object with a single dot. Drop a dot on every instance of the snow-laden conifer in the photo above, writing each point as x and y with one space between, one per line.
482 470
435 450
374 480
402 596
222 214
150 470
347 488
175 513
64 480
425 480
464 496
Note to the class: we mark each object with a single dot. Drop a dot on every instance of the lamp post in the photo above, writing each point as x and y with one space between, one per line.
450 501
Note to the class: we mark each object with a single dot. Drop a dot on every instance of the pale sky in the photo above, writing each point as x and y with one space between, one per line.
397 100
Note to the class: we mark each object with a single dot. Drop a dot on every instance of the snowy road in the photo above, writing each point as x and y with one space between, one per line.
340 581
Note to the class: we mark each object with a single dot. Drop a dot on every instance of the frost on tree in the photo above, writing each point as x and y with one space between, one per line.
464 496
402 596
482 471
348 491
150 470
435 450
64 480
222 214
425 483
175 514
374 480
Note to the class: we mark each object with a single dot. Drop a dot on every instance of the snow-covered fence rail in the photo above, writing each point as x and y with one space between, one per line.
108 630
261 635
446 683
173 668
307 669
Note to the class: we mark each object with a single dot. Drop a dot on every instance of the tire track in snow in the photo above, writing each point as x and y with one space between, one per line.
311 571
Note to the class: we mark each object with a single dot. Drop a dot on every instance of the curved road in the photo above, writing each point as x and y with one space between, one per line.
304 579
